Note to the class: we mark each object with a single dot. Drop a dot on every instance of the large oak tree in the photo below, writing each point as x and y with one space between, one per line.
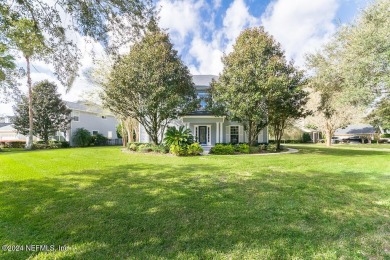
150 84
257 86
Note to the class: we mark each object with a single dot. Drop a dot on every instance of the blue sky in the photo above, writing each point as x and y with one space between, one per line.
202 30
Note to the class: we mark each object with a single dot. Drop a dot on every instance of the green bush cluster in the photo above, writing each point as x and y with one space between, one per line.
181 142
385 136
51 145
98 140
185 150
14 145
271 148
147 148
242 148
222 149
82 137
306 138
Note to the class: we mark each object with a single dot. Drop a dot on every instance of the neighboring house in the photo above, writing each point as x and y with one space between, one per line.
9 134
297 131
207 128
6 120
91 117
362 130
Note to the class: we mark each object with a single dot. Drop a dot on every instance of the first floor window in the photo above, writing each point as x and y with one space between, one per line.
95 132
234 134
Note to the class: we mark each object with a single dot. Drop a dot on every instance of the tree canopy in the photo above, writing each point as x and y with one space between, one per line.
353 69
286 100
380 115
150 84
364 53
256 83
50 112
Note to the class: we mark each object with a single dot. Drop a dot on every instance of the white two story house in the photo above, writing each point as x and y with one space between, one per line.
207 128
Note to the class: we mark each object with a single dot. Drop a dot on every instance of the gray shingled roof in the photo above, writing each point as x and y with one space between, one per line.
356 130
203 80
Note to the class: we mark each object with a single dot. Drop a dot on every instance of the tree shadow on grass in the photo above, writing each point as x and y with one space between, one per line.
195 211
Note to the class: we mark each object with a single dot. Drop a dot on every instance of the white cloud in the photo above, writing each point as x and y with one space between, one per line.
217 4
237 18
301 26
208 56
181 18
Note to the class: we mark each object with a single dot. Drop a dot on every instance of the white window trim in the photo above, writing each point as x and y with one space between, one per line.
208 133
230 132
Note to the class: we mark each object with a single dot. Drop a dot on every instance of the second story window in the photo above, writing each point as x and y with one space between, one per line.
202 96
75 116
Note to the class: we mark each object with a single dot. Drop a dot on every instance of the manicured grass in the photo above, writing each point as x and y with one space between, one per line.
321 203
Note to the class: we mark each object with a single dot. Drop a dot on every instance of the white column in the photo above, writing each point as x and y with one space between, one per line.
217 133
221 132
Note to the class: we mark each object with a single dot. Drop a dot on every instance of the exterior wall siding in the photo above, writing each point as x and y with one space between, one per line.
218 134
94 122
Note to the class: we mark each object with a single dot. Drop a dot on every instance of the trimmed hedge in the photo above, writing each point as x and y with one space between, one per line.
186 150
222 149
226 149
52 145
147 148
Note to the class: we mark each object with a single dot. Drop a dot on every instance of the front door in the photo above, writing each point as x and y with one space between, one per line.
203 134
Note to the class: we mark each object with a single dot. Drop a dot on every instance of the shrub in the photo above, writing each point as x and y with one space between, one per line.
82 137
195 149
263 147
98 140
271 148
160 149
133 147
385 136
254 149
14 144
178 150
306 138
179 136
65 144
51 145
222 149
242 148
145 148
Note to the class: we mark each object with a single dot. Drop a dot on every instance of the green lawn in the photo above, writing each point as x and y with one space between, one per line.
106 204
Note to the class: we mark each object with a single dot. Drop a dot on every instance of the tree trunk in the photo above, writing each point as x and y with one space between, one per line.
29 143
129 135
123 133
250 133
329 135
278 137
